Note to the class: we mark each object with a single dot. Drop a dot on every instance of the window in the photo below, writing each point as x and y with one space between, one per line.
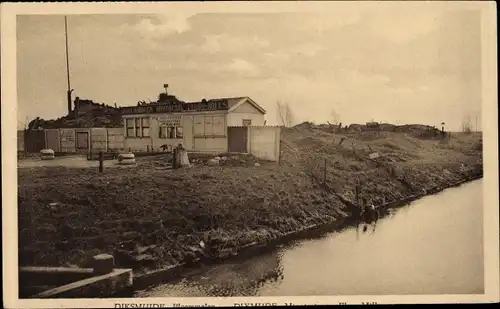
145 127
178 132
130 128
170 132
219 128
137 127
247 122
163 132
199 125
210 126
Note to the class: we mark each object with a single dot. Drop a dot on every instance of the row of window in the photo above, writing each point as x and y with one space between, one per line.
170 132
139 127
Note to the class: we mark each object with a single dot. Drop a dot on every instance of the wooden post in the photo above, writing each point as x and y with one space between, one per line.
101 161
324 174
357 194
279 155
174 158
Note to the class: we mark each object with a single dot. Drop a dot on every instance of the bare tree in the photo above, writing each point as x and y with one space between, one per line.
285 114
467 125
334 117
24 124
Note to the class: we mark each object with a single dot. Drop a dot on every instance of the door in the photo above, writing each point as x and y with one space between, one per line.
82 141
53 139
237 139
34 140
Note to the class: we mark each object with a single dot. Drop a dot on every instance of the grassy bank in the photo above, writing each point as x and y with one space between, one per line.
148 217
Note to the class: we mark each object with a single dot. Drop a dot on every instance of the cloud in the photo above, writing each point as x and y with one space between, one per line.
227 43
277 56
404 26
159 26
320 22
355 78
242 66
308 49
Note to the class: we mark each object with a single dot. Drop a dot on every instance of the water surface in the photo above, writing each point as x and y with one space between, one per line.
433 246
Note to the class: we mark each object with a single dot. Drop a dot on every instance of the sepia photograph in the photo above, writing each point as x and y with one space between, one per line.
271 153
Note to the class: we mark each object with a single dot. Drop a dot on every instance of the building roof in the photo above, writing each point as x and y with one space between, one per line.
233 103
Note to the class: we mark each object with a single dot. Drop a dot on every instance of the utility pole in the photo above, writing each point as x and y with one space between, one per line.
68 94
476 123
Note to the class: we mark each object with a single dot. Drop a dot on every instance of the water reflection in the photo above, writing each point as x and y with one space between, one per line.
434 246
235 278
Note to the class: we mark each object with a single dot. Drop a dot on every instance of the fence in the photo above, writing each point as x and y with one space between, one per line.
20 140
261 141
34 140
116 140
264 142
71 140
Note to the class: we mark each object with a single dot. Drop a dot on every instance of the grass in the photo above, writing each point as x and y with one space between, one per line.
148 217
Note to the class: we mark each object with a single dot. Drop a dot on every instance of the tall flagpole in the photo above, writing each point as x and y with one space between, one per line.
67 64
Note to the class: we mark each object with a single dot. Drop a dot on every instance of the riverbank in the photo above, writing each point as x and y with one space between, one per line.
150 218
337 260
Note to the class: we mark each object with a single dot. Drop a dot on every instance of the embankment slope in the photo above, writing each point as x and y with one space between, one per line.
149 218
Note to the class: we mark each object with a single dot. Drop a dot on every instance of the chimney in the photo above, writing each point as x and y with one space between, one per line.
165 86
68 98
77 105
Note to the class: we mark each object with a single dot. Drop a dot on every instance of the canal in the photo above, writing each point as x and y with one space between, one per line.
433 246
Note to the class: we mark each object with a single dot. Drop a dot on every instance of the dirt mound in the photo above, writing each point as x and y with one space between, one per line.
304 126
307 146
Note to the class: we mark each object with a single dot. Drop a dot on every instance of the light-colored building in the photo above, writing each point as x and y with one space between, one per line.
206 126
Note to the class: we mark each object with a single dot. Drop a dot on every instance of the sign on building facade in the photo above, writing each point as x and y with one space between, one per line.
169 121
176 108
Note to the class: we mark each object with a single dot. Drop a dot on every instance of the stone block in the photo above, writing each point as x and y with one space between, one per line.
212 162
47 154
103 263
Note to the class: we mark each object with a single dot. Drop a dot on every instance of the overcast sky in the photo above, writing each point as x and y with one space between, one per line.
401 65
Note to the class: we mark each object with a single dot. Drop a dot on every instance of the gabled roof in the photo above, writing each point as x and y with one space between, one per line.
235 102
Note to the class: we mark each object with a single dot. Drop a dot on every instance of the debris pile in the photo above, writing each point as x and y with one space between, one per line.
113 120
87 114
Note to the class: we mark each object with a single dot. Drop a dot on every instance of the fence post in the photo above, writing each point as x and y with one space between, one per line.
174 158
101 161
357 195
279 152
